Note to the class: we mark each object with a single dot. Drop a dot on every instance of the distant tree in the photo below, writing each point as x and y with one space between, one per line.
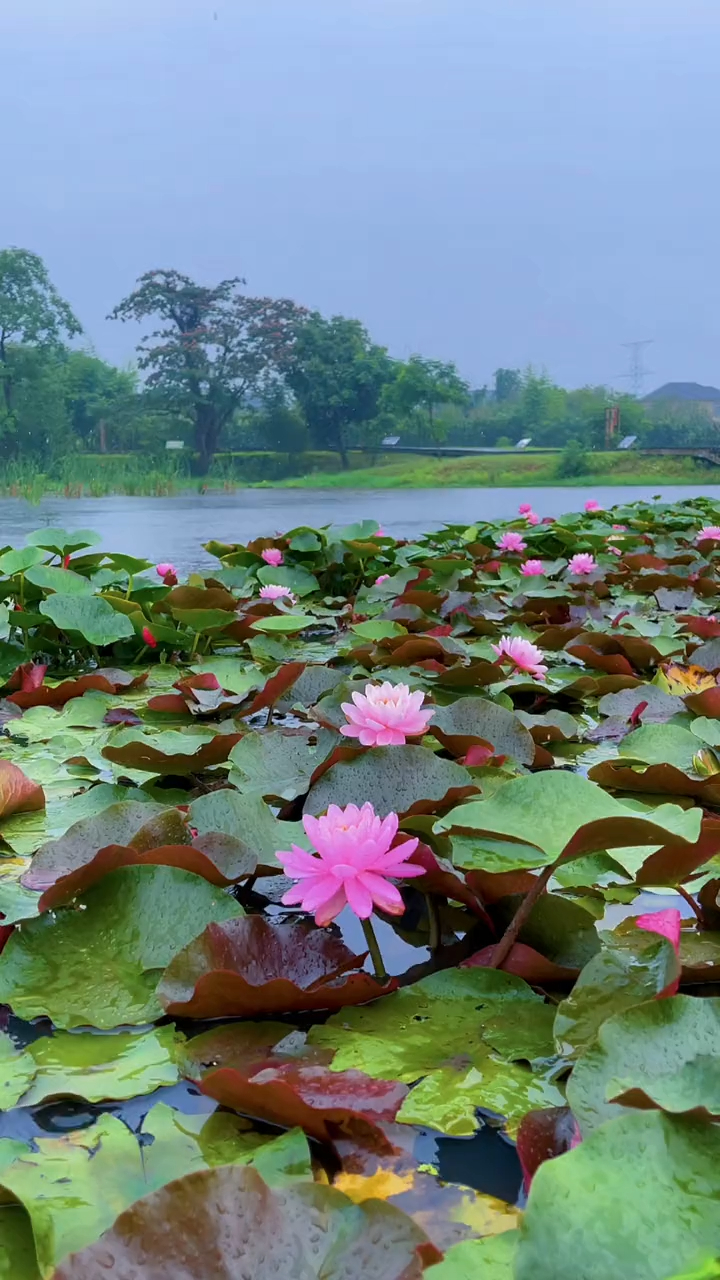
337 375
508 384
100 398
420 386
33 315
279 424
214 348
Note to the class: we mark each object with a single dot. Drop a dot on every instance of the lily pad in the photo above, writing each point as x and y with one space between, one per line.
91 616
98 963
399 779
664 1053
228 1217
636 1198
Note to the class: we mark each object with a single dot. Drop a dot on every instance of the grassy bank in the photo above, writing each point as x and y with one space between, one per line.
88 476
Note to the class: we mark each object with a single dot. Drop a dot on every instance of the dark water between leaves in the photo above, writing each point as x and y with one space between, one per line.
175 528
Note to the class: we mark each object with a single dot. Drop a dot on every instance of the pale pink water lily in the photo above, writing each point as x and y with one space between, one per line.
582 564
524 655
614 551
533 517
621 528
512 542
380 533
385 715
275 592
384 577
531 568
352 866
709 532
592 504
525 508
273 556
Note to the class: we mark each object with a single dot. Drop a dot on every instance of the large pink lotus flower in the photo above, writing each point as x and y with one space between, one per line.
592 504
582 564
273 556
525 508
512 542
709 532
353 863
274 592
385 715
523 654
531 568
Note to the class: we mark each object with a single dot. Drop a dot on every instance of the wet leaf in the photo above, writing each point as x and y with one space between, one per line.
399 779
248 967
489 1259
279 764
91 616
18 794
636 1198
570 816
99 962
209 1222
629 969
471 720
170 751
664 1053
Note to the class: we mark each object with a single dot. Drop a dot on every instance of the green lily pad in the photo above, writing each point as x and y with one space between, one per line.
661 744
397 779
17 1245
295 578
91 616
664 1052
284 623
50 578
491 1258
279 764
567 814
99 962
629 969
434 1032
478 718
637 1199
97 1068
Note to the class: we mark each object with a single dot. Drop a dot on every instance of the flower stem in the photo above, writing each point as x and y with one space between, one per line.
505 945
374 949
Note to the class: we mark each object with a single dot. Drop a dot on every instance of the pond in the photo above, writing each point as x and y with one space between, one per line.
175 528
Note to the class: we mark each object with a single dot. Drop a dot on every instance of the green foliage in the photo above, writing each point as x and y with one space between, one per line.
573 461
337 375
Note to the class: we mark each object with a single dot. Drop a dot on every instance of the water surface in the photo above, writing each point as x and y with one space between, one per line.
175 528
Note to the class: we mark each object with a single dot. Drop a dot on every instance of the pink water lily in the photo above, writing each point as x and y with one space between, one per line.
512 542
709 532
621 528
525 508
384 577
614 551
524 655
581 564
531 568
385 715
533 517
274 592
592 504
273 556
162 570
352 866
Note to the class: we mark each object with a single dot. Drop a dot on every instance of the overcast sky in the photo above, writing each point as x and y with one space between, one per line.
494 182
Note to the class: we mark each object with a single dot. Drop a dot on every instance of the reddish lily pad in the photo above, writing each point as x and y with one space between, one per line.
251 966
18 794
214 1221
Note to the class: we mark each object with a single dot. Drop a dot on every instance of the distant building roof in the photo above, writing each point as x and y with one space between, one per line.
684 391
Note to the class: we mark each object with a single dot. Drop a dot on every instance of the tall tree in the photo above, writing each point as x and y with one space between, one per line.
420 386
32 315
508 384
337 375
214 348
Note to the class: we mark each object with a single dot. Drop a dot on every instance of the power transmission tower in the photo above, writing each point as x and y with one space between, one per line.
637 371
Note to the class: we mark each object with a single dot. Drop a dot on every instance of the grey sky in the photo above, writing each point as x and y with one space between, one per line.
490 181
